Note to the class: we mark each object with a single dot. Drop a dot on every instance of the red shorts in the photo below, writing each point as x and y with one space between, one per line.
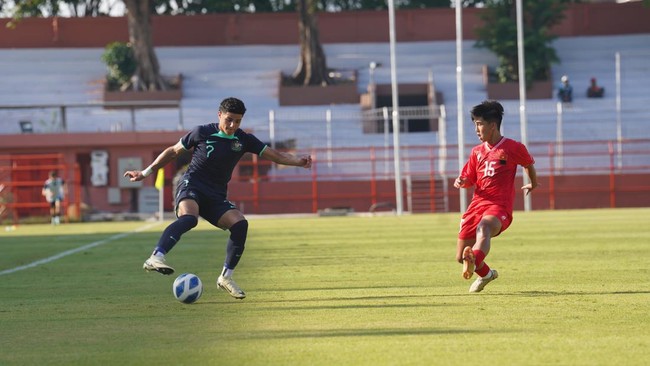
473 216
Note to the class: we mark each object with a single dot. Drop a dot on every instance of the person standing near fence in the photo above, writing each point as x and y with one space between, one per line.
202 191
54 192
491 169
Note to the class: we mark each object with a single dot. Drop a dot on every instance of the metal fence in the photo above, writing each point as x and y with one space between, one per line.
91 117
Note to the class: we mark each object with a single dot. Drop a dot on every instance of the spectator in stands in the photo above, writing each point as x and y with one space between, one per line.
595 91
54 191
202 191
565 93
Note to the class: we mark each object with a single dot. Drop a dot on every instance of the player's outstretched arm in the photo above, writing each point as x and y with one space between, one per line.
285 158
165 157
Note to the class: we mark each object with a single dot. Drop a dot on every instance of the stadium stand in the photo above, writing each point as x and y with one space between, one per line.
69 76
52 77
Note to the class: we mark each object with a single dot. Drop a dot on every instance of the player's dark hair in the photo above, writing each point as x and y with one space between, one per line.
490 111
232 105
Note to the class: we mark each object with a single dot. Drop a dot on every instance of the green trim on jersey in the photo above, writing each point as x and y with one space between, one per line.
262 152
225 135
184 147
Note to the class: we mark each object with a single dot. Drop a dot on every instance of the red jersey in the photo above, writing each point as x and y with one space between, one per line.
492 169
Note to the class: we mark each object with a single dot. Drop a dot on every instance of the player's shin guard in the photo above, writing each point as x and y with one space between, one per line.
236 243
173 232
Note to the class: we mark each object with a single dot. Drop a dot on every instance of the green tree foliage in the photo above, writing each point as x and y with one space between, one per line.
499 35
121 63
44 8
259 6
81 8
345 5
185 7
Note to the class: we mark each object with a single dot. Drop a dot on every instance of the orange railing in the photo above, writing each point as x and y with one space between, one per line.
572 175
585 174
21 181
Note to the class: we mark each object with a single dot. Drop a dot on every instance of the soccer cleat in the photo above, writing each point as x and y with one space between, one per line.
230 286
155 263
468 263
481 282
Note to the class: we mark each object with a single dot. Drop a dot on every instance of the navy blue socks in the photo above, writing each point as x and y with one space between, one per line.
235 246
173 232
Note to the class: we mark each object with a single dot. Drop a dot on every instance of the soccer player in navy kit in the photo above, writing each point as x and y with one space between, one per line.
202 191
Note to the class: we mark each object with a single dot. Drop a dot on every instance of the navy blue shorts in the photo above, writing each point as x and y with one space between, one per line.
212 201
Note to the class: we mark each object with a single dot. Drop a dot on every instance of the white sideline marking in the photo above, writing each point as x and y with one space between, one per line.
76 250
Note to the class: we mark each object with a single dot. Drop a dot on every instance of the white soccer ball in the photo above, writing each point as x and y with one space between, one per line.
187 288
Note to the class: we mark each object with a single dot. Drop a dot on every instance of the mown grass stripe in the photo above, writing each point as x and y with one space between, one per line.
76 250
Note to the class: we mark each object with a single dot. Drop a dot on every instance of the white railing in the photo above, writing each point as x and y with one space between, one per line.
90 117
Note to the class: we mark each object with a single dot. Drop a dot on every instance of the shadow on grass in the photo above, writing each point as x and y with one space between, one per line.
338 288
346 307
345 298
572 293
329 299
334 333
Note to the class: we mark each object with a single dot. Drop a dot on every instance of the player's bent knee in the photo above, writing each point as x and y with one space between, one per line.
239 231
189 220
484 229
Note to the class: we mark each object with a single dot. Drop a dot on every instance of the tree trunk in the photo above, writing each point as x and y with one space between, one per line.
312 67
147 75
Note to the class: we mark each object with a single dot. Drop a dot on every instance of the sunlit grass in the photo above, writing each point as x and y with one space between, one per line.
573 289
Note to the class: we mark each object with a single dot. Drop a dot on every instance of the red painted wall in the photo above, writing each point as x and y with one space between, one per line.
281 28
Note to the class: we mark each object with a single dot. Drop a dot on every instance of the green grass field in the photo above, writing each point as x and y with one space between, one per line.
574 289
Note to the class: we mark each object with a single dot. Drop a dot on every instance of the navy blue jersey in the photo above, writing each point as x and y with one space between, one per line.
216 154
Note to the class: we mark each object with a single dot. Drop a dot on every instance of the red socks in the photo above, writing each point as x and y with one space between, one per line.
479 258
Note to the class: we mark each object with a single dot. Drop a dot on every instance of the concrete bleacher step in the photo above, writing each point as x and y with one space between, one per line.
50 76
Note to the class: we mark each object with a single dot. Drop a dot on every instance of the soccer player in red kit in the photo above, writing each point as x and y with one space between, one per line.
491 169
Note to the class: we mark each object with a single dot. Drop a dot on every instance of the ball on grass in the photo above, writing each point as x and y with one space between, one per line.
187 288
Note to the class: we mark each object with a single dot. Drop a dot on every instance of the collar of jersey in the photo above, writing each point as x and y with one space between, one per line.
503 138
225 136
